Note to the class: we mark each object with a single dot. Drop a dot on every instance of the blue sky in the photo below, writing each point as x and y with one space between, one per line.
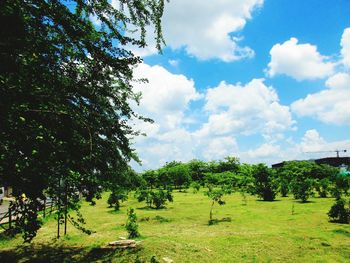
262 80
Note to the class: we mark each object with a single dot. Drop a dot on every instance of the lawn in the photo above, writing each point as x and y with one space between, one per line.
280 231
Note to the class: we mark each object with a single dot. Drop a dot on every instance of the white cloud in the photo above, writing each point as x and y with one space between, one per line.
165 99
253 108
166 96
313 146
330 105
218 148
312 141
345 44
300 61
204 28
264 152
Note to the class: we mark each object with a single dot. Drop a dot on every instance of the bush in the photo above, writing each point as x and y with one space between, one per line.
339 213
158 198
302 188
196 186
131 225
116 197
265 183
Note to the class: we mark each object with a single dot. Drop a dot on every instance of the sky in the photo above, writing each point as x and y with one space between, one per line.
261 80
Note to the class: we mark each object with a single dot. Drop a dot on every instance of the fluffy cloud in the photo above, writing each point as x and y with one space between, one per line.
165 97
218 148
345 45
330 105
249 109
264 152
300 61
204 29
313 146
312 142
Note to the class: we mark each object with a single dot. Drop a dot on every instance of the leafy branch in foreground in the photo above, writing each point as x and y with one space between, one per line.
65 93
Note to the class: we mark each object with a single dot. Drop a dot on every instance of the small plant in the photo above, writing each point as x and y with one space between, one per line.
131 225
244 197
196 186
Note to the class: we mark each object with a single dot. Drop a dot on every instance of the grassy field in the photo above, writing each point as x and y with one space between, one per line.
280 231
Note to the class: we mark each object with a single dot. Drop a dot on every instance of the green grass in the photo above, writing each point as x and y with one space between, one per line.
258 232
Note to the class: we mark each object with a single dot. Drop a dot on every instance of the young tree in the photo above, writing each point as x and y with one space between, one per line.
302 180
216 195
117 196
340 211
151 178
131 224
157 198
66 85
197 170
179 175
265 185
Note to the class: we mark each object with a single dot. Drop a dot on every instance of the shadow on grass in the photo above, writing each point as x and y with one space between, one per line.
59 253
217 221
113 211
7 234
342 231
147 208
268 201
304 202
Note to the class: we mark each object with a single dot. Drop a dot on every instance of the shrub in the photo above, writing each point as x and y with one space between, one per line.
265 183
196 186
131 225
158 198
116 197
339 213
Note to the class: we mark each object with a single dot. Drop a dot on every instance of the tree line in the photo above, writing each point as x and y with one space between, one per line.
301 179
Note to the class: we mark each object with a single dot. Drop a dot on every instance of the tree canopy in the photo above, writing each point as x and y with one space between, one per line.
66 89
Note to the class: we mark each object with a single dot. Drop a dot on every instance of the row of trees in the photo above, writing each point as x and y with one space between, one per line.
302 179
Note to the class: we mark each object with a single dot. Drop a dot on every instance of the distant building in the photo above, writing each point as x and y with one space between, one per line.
341 162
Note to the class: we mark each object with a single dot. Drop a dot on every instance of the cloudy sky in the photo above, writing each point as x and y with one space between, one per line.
262 80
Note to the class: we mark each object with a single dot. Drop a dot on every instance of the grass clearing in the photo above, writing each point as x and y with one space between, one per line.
281 231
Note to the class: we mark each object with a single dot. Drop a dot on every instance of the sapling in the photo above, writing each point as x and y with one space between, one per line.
216 196
131 224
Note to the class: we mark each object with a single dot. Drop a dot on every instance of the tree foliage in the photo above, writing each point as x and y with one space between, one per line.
216 195
65 89
265 185
131 224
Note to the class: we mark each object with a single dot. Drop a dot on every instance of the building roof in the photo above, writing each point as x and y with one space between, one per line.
332 161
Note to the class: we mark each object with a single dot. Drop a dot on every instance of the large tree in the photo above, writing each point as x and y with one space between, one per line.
65 93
